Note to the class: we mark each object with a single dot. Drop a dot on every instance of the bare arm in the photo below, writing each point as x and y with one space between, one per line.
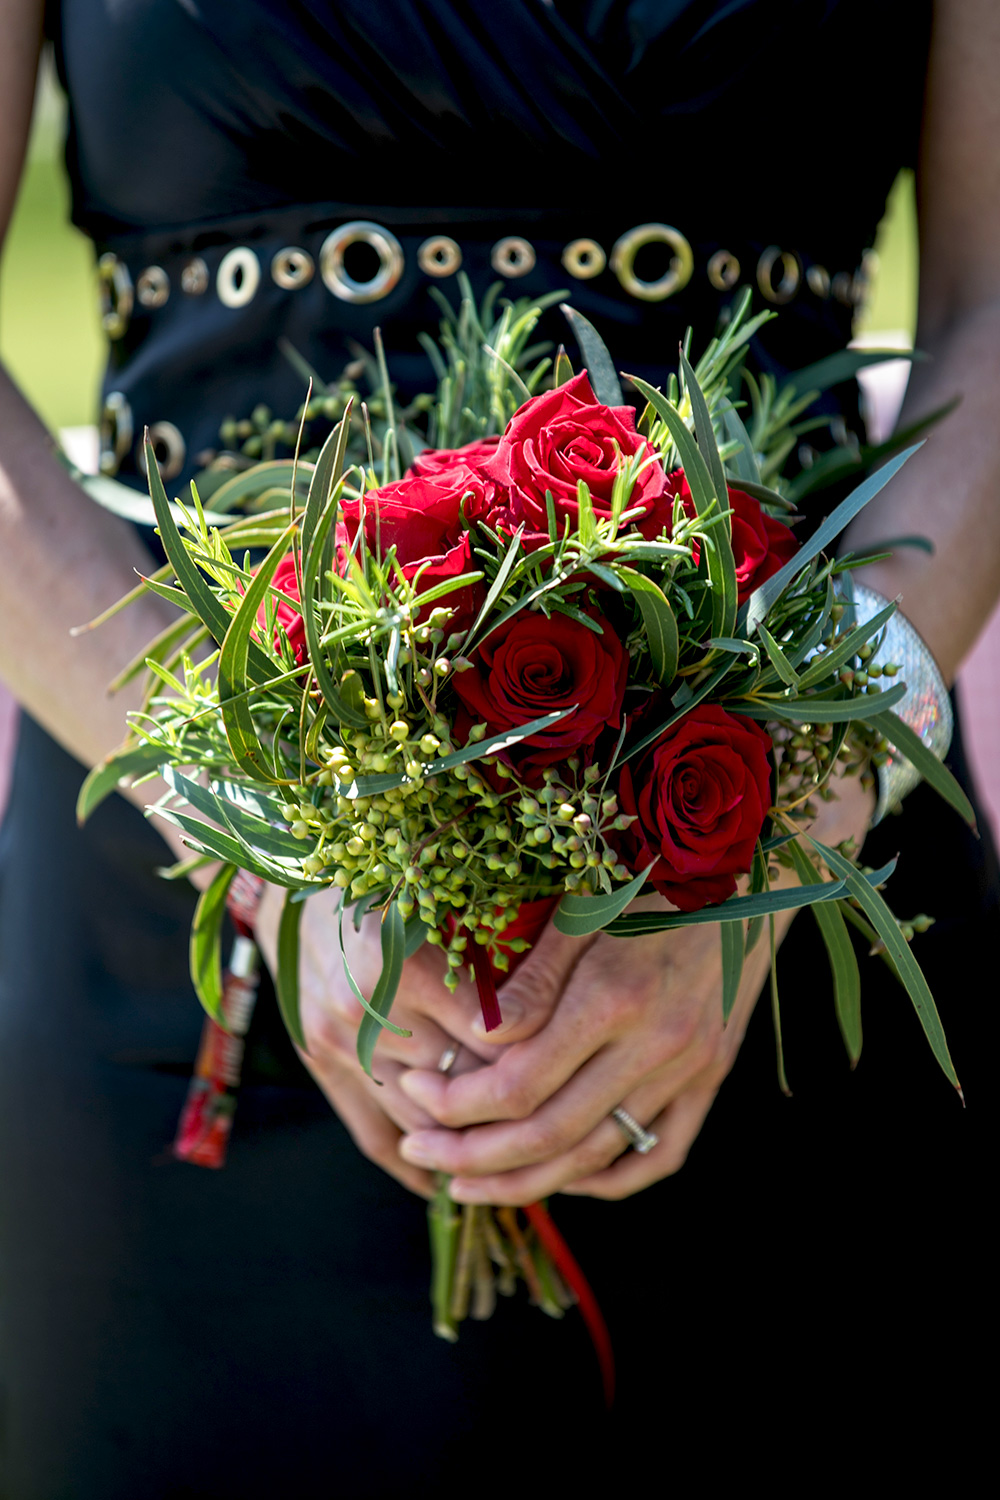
951 491
62 559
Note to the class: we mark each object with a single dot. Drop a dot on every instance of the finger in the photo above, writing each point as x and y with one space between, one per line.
562 1122
373 1132
588 1157
529 997
677 1127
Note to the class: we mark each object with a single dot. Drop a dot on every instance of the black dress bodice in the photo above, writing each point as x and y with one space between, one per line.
199 126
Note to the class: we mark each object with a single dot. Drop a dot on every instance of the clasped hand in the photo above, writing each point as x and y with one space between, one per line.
589 1024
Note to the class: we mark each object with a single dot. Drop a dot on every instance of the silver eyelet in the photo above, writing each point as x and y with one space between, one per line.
791 274
152 286
627 248
116 432
818 281
387 248
723 270
194 277
115 287
169 447
584 259
439 256
292 268
238 277
512 257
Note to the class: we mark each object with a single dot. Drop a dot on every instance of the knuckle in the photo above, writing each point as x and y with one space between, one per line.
544 1139
593 1156
514 1097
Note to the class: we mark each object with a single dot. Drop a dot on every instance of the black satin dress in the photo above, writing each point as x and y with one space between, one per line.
806 1288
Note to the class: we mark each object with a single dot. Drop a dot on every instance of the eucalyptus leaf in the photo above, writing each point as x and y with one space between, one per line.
373 786
731 937
237 718
908 743
837 368
821 710
393 934
600 366
736 909
840 952
577 916
659 622
287 977
763 599
205 946
909 971
130 760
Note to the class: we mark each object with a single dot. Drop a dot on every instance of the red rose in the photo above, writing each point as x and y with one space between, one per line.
700 794
422 517
288 618
565 435
532 666
471 456
761 545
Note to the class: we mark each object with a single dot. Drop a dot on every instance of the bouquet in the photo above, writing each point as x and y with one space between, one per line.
516 653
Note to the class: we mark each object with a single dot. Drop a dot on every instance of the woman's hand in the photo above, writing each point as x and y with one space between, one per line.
634 1022
376 1114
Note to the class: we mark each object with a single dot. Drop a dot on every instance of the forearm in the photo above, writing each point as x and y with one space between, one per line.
949 492
62 561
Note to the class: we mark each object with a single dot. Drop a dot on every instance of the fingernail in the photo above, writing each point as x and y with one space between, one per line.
414 1150
415 1087
511 1015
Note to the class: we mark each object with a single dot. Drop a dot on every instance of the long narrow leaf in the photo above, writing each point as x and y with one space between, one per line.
577 916
762 599
237 718
600 366
206 943
737 908
718 548
660 623
841 954
287 977
907 742
821 710
132 760
373 786
384 993
731 936
909 970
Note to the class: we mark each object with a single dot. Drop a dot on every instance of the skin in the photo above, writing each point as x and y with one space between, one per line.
535 1120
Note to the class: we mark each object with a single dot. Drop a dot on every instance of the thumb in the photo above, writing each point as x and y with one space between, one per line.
531 994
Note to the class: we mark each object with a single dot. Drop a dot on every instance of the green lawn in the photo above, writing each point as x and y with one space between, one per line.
50 335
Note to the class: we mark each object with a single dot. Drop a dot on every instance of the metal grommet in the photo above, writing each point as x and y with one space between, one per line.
387 248
115 287
292 268
627 248
238 277
843 288
512 257
115 432
194 277
169 447
818 281
723 270
584 259
791 274
439 256
152 286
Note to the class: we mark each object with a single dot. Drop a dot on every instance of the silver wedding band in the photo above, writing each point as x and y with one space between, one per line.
447 1058
640 1140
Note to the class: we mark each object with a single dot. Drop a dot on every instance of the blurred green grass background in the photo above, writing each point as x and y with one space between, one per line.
50 336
